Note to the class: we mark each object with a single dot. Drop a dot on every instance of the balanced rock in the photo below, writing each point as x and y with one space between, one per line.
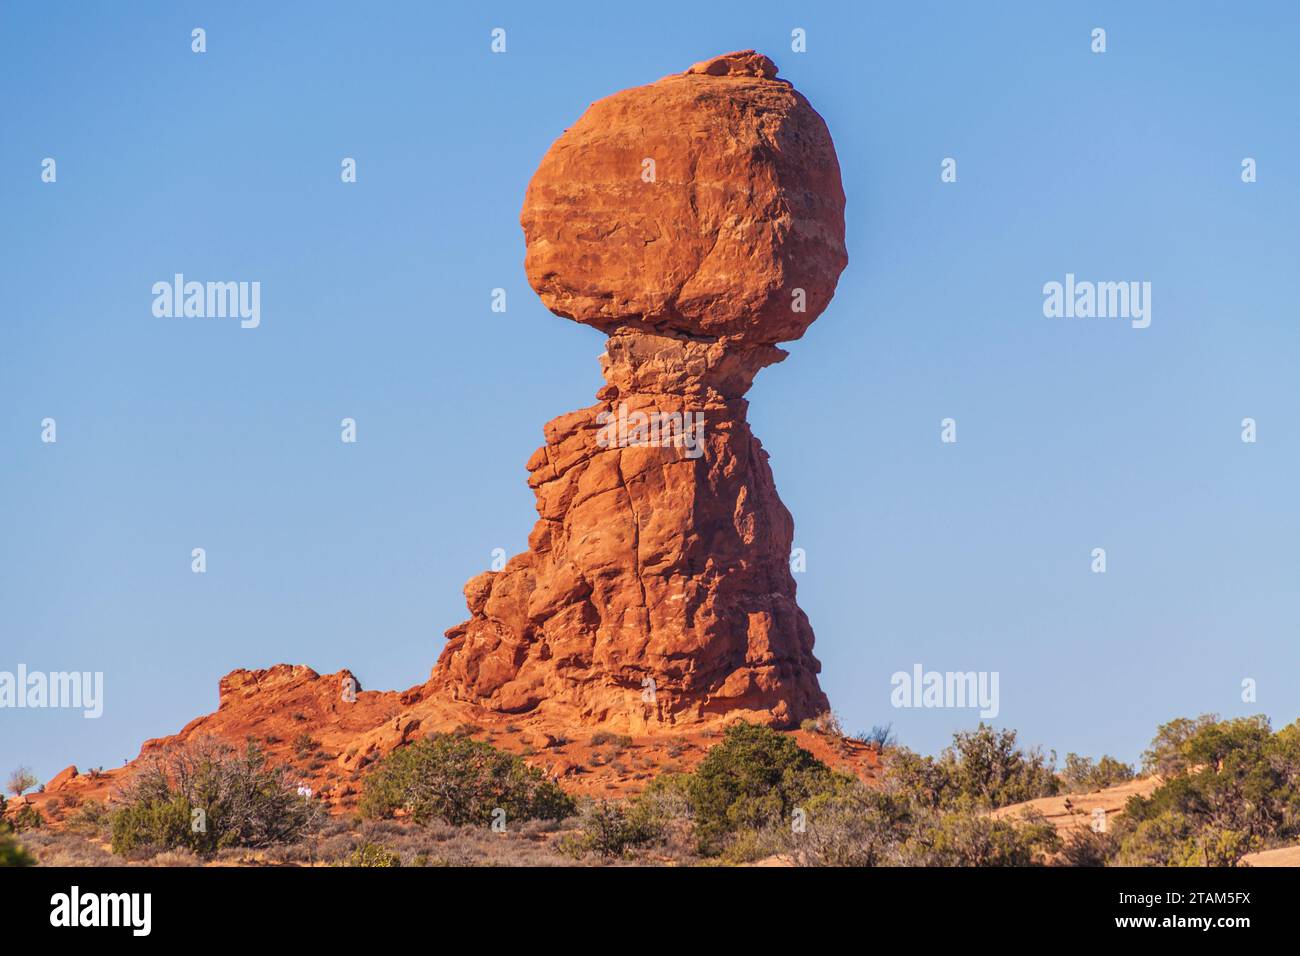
698 204
697 221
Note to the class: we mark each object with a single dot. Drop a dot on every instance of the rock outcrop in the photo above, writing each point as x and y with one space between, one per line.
326 733
697 221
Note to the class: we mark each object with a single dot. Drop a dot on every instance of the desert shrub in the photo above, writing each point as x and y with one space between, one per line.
604 737
1231 787
458 780
92 817
852 825
435 844
752 845
1162 839
28 818
372 854
305 744
664 809
966 838
744 795
20 779
824 723
12 853
928 812
1083 775
150 826
858 825
660 814
243 803
919 779
51 847
1086 847
666 800
608 830
880 737
176 858
752 780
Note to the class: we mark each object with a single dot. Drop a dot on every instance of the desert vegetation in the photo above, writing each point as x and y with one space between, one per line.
20 779
1218 790
1226 788
1084 775
1229 788
11 852
205 797
459 780
758 794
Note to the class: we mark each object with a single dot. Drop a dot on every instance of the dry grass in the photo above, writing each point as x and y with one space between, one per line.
534 843
68 849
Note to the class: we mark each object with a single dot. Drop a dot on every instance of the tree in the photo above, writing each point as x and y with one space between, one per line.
20 779
1233 787
1083 775
983 768
1165 756
987 766
754 779
459 780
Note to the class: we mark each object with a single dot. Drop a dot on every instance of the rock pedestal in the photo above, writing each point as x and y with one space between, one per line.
697 221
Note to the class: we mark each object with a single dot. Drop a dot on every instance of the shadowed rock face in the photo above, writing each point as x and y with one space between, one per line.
656 589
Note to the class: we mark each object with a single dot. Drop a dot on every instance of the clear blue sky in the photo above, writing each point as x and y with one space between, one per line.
175 434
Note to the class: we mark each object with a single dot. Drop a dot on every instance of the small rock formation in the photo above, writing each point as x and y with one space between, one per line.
697 221
61 779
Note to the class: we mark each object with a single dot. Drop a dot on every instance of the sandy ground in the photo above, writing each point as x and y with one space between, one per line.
1074 811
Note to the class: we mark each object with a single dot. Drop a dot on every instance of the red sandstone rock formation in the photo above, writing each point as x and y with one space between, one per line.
666 564
697 221
347 729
